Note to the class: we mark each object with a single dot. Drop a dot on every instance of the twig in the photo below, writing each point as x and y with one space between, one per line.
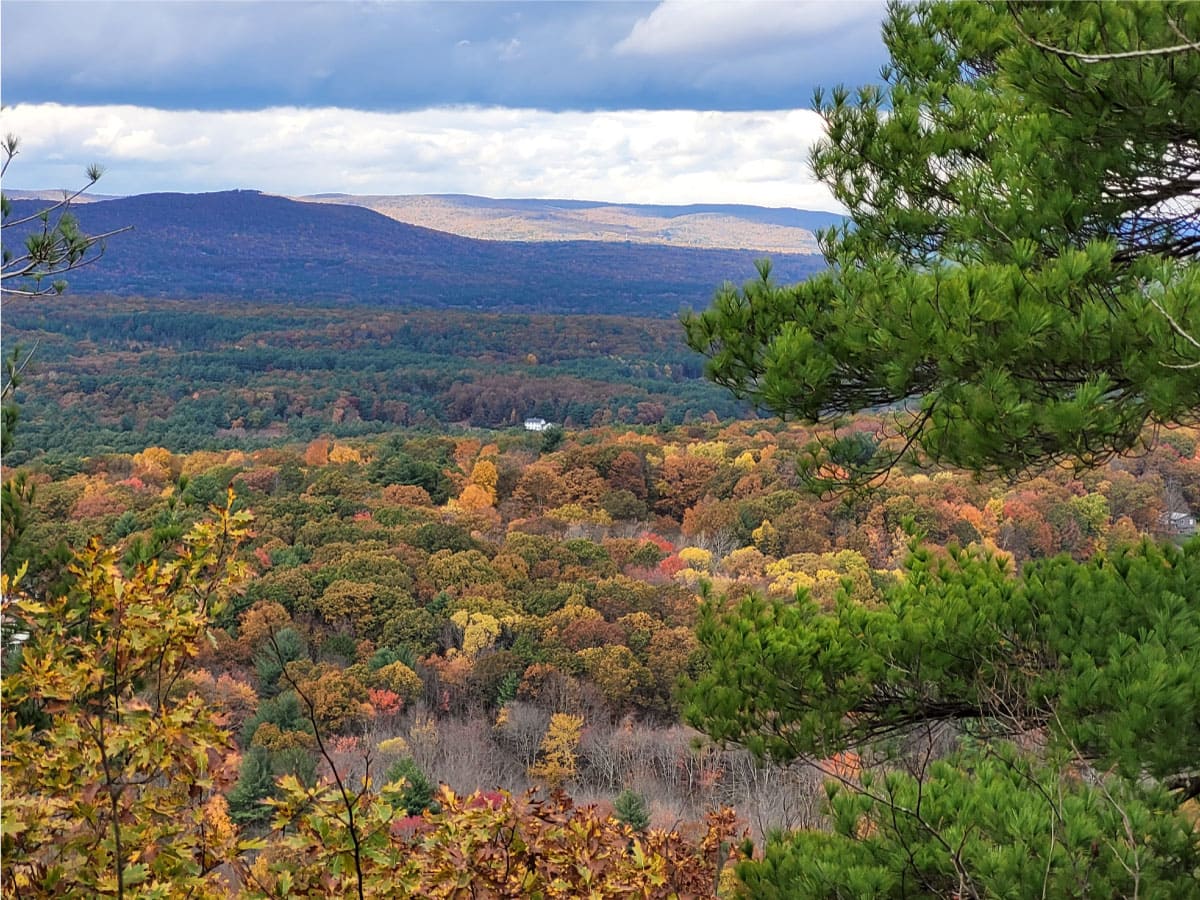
1064 53
351 825
1181 332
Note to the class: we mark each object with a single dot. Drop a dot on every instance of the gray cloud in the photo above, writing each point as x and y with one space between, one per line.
409 55
501 99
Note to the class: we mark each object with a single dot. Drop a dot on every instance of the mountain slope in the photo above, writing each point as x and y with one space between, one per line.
244 244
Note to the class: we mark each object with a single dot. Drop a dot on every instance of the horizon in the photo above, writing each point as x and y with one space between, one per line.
27 193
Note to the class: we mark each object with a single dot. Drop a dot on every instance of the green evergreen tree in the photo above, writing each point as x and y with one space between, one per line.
284 711
630 808
990 825
417 794
256 783
1100 655
1019 276
1093 663
53 243
285 646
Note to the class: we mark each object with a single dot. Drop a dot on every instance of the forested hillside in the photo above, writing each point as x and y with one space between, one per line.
257 247
727 226
441 600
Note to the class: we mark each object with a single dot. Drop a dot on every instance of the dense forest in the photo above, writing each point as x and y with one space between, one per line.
504 609
294 603
123 374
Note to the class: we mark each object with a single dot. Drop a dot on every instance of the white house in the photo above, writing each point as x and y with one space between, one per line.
537 424
1179 523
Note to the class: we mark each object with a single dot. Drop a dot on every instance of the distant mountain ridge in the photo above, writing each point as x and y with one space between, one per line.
55 195
250 245
699 226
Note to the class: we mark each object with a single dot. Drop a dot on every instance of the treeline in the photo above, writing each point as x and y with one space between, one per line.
117 376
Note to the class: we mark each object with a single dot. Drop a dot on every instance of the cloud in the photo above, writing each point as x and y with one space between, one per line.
678 27
511 50
393 56
633 156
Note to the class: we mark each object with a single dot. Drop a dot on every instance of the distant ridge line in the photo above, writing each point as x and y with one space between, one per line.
726 226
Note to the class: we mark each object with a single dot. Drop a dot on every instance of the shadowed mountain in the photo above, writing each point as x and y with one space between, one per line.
244 244
703 226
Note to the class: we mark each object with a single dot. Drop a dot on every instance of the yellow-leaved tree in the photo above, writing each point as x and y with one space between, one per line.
557 758
108 773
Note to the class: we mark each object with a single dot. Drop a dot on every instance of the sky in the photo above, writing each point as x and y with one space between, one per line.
680 101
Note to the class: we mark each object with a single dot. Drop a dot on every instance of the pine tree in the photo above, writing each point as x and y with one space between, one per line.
417 795
53 242
1092 664
1019 284
256 783
1019 277
630 808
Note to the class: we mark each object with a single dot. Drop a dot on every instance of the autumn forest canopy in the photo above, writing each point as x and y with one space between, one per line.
879 583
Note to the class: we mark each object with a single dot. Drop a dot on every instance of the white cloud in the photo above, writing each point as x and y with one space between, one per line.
678 27
628 156
511 50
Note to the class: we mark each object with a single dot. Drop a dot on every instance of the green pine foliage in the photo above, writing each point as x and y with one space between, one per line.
41 246
1095 661
283 711
1019 276
1102 654
286 646
256 783
417 794
1018 287
985 824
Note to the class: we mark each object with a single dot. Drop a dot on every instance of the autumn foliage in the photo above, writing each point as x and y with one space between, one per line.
500 640
108 774
116 762
491 845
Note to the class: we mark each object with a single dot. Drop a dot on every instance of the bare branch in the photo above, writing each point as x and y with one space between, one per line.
61 204
348 803
1189 47
14 368
10 149
1181 332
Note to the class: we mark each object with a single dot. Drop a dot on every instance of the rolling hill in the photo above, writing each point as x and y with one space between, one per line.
254 246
